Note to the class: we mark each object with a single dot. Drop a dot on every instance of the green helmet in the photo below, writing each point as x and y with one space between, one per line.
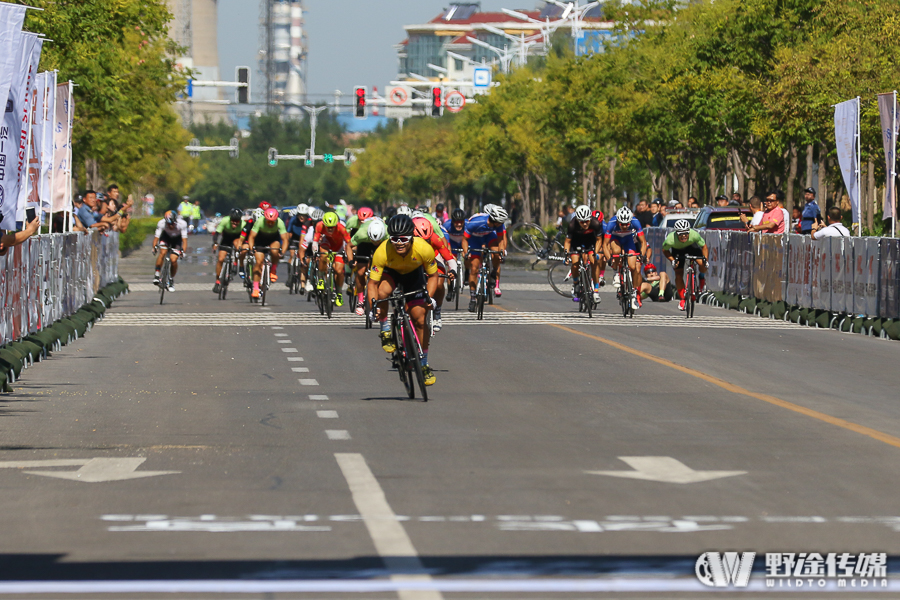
330 219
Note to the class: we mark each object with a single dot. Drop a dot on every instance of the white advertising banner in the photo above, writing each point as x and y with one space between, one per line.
14 128
11 19
61 199
36 145
887 107
28 170
846 130
48 115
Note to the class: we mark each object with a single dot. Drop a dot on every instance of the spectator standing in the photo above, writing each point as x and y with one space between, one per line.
795 219
721 200
772 220
735 199
756 208
89 213
693 202
811 215
643 214
834 228
196 215
655 213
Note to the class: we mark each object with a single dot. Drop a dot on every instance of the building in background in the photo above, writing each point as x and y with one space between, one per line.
283 55
194 28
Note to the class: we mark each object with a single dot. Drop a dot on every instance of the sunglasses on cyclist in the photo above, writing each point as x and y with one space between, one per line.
401 239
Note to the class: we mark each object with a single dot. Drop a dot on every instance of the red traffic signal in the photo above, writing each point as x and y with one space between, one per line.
361 110
436 101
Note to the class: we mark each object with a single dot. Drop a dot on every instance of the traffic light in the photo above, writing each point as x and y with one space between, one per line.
329 158
273 157
436 103
242 74
361 107
309 157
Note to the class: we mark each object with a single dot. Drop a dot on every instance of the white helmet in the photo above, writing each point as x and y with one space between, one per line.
404 210
682 226
624 215
302 209
496 213
583 213
377 230
416 214
316 214
258 214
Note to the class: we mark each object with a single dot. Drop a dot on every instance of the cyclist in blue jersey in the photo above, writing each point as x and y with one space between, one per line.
484 231
454 229
623 234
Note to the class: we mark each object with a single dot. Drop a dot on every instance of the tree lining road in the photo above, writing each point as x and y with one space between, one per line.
492 476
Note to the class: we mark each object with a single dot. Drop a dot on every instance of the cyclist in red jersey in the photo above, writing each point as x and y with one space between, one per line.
332 236
446 264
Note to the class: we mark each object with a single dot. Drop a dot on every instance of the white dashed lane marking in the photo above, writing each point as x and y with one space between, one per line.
295 358
308 382
285 341
289 350
320 397
327 414
300 370
337 434
280 335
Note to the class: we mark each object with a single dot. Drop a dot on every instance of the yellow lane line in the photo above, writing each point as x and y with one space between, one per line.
842 423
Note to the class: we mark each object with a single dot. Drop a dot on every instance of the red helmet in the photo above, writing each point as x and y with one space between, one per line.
265 204
271 215
424 229
597 214
364 213
650 267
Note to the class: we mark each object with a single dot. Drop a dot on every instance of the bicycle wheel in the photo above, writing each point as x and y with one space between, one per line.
328 300
414 357
560 279
366 308
587 291
690 289
224 276
351 293
458 283
528 238
163 279
629 295
264 284
480 293
401 358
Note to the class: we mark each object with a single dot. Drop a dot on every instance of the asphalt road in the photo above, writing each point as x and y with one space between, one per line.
281 458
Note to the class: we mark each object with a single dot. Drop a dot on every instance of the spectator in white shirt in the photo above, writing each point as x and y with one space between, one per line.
756 207
834 228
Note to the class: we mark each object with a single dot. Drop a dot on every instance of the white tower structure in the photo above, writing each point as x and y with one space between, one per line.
283 53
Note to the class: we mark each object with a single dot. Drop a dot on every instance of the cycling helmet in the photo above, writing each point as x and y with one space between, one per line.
364 213
424 229
417 214
258 214
330 219
404 210
458 215
302 209
401 225
171 217
377 230
316 214
488 207
682 226
649 267
597 214
271 215
389 212
583 213
236 214
265 204
624 215
497 214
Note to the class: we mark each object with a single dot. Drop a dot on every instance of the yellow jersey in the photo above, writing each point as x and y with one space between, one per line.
420 255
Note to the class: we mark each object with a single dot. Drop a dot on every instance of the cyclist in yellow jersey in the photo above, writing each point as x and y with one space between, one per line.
408 262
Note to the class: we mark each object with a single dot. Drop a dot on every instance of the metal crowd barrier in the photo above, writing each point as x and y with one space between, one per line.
852 275
49 277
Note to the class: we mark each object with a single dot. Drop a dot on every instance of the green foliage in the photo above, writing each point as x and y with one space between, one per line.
136 234
120 56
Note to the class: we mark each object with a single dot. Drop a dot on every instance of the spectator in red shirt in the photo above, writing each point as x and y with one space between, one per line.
773 217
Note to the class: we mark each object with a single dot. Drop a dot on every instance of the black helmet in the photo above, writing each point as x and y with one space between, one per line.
458 215
401 225
389 212
236 214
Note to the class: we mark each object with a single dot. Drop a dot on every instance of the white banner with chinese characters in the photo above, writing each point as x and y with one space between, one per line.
15 127
36 148
846 129
887 106
11 19
48 116
61 199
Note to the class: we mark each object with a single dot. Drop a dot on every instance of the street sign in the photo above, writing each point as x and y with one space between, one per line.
454 101
398 112
400 96
482 77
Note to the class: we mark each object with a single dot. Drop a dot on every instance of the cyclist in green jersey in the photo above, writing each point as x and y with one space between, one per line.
364 243
682 242
230 230
268 231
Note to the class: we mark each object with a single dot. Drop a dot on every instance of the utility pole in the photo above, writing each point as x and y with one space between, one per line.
313 119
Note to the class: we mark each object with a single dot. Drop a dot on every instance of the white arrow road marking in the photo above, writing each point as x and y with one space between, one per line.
665 469
93 470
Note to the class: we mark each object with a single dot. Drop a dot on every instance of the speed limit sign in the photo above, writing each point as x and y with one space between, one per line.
454 101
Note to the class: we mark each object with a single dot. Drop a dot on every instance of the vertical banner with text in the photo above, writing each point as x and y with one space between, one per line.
61 199
846 130
48 117
887 107
14 128
26 142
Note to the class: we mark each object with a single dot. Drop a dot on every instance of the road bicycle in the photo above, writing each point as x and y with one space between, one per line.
295 270
352 292
229 267
626 294
325 297
454 290
691 285
249 265
165 273
429 316
530 238
408 356
265 278
584 283
484 287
